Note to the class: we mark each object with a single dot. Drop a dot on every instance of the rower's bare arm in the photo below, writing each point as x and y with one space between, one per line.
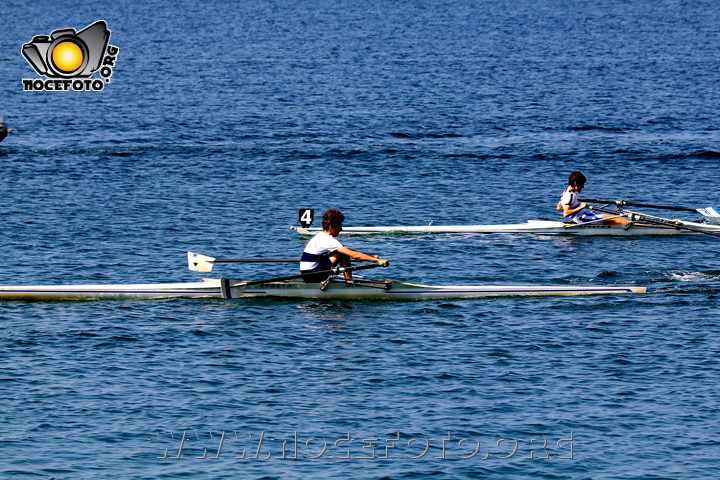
361 257
567 211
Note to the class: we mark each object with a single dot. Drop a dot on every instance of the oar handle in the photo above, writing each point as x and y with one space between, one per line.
623 203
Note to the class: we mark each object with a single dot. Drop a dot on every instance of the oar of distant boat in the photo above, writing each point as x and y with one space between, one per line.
711 212
661 222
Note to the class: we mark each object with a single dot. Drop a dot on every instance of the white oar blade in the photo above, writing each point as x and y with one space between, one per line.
200 263
709 212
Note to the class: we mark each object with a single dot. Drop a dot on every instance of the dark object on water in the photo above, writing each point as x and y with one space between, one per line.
3 129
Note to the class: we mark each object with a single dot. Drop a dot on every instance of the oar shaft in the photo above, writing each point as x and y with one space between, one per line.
203 263
623 203
334 271
255 260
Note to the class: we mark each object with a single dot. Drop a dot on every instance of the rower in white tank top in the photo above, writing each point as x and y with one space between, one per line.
577 211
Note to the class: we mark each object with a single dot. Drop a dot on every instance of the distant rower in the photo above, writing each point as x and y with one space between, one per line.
3 129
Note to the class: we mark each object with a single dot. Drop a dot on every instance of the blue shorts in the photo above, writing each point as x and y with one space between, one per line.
586 216
311 276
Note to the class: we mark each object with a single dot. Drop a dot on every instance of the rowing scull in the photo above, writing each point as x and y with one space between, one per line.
538 227
336 289
639 224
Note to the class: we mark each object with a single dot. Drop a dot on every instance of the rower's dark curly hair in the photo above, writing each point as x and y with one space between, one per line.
577 178
332 218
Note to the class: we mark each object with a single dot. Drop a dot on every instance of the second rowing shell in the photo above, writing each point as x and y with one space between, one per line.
538 227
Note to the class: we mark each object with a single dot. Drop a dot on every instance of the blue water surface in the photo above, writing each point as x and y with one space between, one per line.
222 119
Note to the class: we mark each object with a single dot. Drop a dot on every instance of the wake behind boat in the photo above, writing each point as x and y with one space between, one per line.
335 288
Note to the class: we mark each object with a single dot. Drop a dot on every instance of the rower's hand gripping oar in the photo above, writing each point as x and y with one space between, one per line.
665 223
203 263
235 290
707 212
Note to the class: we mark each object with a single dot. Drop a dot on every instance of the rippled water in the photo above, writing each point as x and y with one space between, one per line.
222 120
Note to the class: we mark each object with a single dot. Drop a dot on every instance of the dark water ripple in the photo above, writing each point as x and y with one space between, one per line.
223 119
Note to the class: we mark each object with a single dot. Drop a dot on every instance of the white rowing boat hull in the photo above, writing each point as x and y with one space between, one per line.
297 290
410 291
206 289
537 227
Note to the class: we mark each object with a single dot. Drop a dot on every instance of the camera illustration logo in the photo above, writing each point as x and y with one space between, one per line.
68 59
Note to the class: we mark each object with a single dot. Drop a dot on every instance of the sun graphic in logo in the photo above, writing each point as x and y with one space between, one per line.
67 56
68 59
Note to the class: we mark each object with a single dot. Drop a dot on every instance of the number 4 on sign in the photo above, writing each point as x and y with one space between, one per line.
306 217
